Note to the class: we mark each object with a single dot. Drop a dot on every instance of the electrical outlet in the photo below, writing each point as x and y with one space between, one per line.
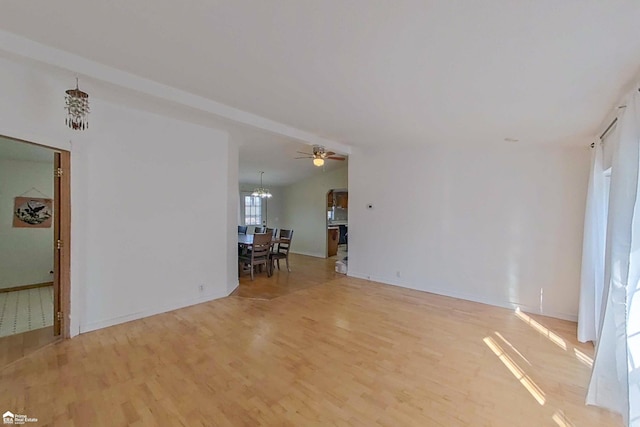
201 288
398 274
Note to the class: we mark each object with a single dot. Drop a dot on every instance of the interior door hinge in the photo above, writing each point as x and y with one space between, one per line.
59 315
59 244
58 173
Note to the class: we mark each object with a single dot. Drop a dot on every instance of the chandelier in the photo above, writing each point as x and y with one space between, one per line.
77 106
261 191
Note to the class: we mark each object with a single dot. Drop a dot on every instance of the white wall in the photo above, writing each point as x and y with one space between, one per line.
496 224
305 211
150 200
232 214
156 212
26 254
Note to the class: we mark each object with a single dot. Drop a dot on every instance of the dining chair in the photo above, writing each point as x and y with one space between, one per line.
258 253
259 230
282 249
242 229
274 231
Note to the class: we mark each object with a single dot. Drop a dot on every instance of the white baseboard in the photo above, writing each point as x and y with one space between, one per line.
313 254
466 296
93 326
235 286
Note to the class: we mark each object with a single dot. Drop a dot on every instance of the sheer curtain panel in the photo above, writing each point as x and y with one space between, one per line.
615 379
593 250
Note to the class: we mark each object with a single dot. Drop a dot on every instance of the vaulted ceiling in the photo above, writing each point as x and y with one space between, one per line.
276 156
368 73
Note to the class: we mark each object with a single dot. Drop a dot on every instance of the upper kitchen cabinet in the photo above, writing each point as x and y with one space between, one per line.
342 200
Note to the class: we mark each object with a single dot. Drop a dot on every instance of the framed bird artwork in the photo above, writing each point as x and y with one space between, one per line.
30 212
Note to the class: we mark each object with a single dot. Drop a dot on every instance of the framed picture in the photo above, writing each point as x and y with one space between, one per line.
30 212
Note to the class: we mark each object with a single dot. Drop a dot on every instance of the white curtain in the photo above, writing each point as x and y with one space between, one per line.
593 250
615 379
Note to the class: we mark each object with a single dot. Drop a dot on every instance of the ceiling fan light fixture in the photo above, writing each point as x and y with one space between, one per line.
319 155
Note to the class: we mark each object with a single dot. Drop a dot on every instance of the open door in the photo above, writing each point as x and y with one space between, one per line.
28 336
61 243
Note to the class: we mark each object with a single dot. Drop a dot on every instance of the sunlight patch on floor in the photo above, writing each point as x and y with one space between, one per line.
554 338
583 358
512 347
562 421
517 372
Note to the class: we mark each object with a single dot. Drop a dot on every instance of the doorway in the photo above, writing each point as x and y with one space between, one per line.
34 247
337 223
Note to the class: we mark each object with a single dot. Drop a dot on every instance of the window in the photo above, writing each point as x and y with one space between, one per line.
252 210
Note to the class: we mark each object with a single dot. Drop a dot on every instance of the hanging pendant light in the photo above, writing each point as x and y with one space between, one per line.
77 106
261 191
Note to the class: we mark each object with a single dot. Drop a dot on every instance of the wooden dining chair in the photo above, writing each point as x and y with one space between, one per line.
274 231
242 229
259 230
281 250
258 253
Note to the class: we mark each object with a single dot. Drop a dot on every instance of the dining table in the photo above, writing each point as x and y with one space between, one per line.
246 240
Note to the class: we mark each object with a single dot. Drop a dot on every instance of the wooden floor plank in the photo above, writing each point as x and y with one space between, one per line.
14 347
328 350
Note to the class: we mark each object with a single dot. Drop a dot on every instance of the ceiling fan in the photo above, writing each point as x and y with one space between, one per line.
319 155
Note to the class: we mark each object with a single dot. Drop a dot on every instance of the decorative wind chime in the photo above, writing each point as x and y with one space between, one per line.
77 106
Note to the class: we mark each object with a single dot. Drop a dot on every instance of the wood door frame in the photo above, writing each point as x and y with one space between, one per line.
65 235
62 267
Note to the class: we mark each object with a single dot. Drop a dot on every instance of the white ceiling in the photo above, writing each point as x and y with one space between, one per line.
368 72
275 156
11 149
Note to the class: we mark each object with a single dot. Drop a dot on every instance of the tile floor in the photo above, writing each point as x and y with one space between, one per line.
342 255
23 311
342 252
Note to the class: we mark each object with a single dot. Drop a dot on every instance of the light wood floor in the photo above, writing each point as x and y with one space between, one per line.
305 272
14 347
341 351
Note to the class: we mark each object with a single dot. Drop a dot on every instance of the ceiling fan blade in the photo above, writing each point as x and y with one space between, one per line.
307 157
308 154
329 153
335 158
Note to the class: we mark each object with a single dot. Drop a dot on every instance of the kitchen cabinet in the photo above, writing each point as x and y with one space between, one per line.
333 237
342 200
330 200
